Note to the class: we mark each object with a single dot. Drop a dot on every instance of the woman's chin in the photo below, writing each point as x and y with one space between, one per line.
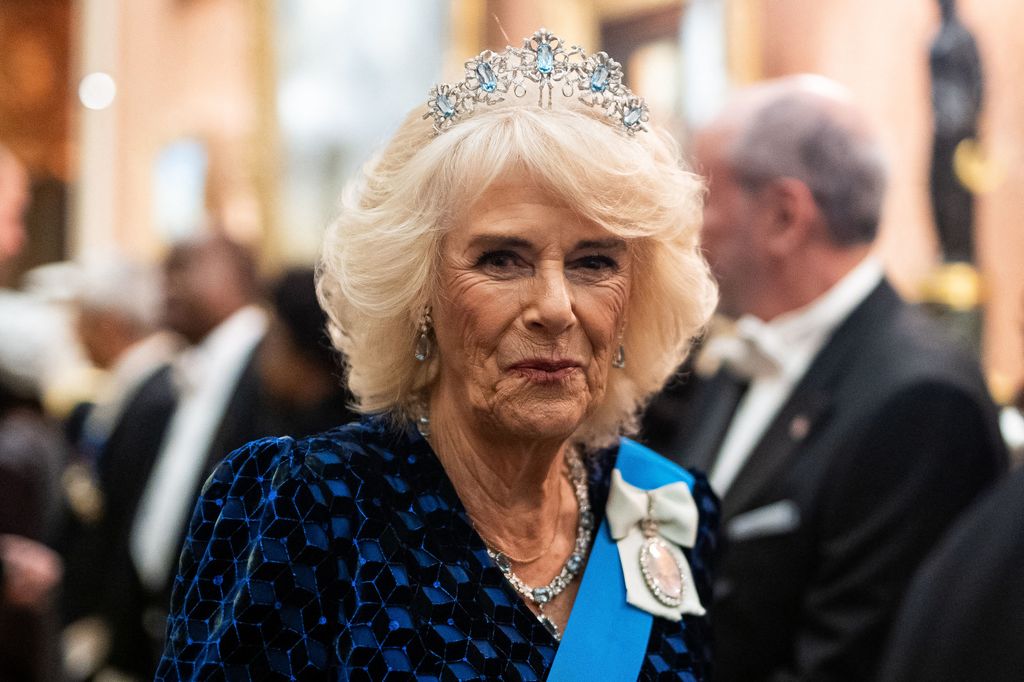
542 419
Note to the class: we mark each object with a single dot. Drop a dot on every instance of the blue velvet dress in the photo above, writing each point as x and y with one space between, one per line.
348 555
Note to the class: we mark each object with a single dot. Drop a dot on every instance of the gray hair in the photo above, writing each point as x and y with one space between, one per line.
127 289
816 139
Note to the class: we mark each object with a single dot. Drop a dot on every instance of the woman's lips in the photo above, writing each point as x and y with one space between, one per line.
545 370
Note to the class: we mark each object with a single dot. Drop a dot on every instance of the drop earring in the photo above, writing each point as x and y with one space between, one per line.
423 345
619 359
423 424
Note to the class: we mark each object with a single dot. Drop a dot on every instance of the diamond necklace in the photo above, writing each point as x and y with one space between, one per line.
584 530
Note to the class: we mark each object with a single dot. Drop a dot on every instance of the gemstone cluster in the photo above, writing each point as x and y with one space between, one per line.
544 61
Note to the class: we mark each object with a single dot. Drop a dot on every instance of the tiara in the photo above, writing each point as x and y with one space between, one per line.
544 60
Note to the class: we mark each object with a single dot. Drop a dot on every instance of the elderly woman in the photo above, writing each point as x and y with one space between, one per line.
510 280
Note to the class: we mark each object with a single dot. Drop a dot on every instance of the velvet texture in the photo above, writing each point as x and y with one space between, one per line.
349 556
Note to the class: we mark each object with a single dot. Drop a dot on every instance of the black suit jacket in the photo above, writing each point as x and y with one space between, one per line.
124 465
963 617
888 436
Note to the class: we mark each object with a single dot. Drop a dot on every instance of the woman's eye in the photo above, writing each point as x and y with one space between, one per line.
597 263
499 260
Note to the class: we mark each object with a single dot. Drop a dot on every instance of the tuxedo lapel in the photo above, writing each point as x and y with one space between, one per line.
719 398
810 403
802 414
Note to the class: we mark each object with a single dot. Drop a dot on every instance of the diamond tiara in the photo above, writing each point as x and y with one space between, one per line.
544 60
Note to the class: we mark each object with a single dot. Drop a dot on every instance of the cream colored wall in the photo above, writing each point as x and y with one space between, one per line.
879 49
184 69
573 20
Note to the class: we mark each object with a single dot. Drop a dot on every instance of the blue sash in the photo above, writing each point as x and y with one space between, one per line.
606 634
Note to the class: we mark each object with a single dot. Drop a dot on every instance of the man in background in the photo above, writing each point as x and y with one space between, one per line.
963 615
200 408
117 309
842 433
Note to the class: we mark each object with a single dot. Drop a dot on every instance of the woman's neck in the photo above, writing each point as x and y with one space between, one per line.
515 492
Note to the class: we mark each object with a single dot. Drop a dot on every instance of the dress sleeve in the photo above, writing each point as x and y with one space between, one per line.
703 551
251 599
701 555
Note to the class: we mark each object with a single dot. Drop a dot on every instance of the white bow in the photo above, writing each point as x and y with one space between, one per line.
750 349
673 508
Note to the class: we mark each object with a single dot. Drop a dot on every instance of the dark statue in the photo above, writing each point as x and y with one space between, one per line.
957 91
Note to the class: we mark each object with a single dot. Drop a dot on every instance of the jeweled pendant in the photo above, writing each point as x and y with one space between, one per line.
662 571
423 425
422 350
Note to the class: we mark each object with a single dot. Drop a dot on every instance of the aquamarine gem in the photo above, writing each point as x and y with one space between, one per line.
545 58
485 74
444 105
587 520
542 595
632 117
599 81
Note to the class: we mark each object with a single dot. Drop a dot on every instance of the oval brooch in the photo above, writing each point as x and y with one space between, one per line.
660 567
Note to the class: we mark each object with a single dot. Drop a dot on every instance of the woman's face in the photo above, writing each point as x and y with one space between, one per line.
530 310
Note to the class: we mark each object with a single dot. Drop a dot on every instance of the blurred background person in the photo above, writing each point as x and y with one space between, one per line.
842 432
301 372
117 306
14 196
963 615
31 453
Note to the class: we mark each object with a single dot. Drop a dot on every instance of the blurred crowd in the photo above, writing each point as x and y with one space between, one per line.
186 363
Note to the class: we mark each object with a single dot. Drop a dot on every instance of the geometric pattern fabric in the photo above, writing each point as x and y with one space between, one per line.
348 556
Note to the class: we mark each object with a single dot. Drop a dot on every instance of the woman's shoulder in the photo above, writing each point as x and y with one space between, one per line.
651 470
356 449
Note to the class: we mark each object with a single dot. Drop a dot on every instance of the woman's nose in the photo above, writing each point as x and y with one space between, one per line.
550 307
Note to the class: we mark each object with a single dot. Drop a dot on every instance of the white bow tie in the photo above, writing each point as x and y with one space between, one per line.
751 351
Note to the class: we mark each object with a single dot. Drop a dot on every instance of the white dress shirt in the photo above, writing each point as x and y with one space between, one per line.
777 355
206 376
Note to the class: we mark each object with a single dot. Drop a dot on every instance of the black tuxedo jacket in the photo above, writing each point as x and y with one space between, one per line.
963 616
888 436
